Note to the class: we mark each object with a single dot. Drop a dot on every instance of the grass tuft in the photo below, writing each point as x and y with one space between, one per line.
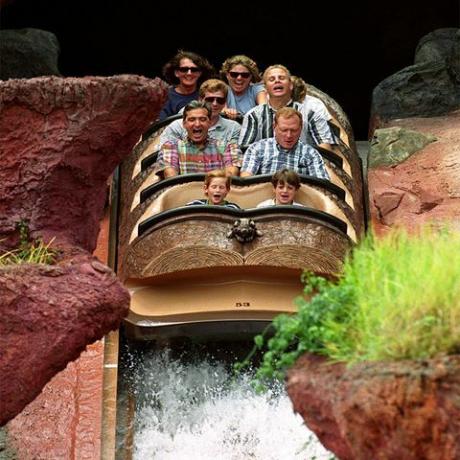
398 298
29 251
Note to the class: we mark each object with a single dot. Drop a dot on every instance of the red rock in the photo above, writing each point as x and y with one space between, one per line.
381 411
60 141
425 187
61 138
49 315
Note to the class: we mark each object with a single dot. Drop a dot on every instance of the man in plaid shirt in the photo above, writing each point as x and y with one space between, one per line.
198 153
284 150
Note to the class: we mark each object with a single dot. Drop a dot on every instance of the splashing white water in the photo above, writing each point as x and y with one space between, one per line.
188 411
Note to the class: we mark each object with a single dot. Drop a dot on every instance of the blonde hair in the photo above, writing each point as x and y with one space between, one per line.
276 66
299 89
212 85
241 59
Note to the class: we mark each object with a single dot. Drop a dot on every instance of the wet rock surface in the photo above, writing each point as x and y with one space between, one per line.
386 410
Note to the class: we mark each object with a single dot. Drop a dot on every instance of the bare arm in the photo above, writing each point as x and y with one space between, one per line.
232 171
261 97
169 172
246 174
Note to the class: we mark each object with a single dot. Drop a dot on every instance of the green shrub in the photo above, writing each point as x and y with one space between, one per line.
398 297
28 251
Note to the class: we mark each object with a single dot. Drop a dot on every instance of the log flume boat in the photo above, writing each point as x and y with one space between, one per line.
211 271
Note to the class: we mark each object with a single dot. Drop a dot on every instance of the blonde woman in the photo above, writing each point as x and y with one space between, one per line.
246 91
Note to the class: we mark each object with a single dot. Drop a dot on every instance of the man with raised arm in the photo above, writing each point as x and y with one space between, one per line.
214 92
258 123
198 153
285 150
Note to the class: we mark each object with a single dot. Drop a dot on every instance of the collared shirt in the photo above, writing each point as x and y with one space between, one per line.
258 123
267 156
225 203
186 158
225 130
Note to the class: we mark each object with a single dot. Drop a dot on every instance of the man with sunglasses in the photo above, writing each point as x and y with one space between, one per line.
258 123
184 72
214 92
198 153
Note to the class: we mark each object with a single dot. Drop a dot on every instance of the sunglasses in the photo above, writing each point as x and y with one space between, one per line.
219 100
187 69
242 74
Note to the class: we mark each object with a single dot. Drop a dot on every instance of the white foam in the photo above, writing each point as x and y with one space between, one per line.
200 411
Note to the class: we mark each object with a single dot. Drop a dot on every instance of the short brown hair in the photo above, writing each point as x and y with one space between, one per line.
288 112
286 176
212 85
217 173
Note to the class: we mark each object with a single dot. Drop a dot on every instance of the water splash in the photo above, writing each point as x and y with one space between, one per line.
189 409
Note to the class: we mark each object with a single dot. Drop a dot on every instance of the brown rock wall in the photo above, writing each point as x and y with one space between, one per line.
60 139
381 411
425 187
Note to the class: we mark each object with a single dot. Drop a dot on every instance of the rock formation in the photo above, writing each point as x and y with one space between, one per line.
423 188
60 141
28 53
409 409
430 87
384 410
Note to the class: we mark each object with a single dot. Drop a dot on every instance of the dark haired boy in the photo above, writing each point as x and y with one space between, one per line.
285 184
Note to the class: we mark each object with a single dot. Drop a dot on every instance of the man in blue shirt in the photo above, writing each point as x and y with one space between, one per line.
284 150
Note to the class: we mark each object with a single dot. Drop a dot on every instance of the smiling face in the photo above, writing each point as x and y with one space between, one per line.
287 131
284 193
278 83
239 78
187 73
217 190
197 123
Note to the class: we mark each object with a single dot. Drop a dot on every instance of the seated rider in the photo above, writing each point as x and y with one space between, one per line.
216 187
214 92
285 150
285 184
198 153
246 91
184 72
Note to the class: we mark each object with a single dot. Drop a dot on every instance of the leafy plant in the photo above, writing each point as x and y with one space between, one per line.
29 251
398 297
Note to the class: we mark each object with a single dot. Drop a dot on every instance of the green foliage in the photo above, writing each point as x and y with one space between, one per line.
398 297
31 252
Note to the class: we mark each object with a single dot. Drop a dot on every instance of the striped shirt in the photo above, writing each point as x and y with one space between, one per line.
258 123
186 158
225 130
267 156
226 204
